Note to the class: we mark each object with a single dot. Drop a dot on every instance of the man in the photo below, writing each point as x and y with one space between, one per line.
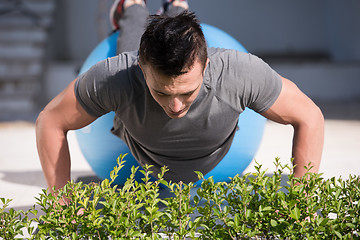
176 102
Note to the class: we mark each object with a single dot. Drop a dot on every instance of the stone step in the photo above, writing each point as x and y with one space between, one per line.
32 84
8 96
24 28
27 7
20 70
23 51
26 13
16 105
22 35
32 5
18 21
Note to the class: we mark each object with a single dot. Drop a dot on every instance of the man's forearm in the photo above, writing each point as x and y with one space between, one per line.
54 153
308 145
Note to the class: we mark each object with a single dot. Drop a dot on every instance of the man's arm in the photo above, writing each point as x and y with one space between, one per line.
62 114
295 108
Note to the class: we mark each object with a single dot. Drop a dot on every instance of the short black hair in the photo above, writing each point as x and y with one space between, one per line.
173 44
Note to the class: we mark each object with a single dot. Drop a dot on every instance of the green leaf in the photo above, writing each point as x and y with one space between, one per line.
295 213
236 221
337 194
338 234
200 175
268 208
273 222
350 225
281 195
226 209
216 212
248 213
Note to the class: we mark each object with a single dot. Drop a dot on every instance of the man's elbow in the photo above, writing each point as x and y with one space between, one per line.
48 121
39 121
312 120
316 121
42 120
317 117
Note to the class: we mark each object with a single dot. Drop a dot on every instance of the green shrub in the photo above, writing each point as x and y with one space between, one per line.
253 206
12 222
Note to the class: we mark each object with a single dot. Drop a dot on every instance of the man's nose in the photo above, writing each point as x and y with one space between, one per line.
175 104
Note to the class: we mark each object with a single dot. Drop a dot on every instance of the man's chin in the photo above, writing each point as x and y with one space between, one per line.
176 115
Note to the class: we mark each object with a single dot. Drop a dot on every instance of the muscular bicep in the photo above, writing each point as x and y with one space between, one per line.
292 106
65 112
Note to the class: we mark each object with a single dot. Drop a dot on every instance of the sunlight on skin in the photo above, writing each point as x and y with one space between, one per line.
175 94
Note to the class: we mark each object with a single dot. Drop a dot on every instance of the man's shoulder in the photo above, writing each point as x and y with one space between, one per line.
118 71
221 57
214 52
122 61
220 52
233 61
111 83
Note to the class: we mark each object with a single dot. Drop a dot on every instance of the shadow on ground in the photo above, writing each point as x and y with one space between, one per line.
34 178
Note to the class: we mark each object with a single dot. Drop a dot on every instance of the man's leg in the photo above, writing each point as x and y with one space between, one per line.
173 7
131 19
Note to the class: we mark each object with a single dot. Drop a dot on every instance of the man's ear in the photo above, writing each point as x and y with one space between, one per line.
141 67
206 64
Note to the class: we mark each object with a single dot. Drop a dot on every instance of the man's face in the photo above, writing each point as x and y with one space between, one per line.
174 94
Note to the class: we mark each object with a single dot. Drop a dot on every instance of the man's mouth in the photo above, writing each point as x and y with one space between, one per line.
178 112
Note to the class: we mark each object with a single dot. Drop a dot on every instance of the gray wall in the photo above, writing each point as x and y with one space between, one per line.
316 41
277 27
343 28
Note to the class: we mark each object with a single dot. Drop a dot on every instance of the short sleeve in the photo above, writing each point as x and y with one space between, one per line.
244 80
264 85
109 85
92 92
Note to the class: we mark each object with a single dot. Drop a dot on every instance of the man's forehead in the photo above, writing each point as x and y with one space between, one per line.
186 78
176 89
183 84
196 64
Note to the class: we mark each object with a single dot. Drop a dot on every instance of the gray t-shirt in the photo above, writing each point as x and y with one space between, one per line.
197 142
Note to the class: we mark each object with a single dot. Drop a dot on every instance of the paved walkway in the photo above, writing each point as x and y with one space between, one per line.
21 178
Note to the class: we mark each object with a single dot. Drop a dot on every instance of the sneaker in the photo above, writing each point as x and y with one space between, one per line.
116 11
165 6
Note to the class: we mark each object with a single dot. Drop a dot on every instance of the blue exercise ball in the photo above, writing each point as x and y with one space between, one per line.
101 148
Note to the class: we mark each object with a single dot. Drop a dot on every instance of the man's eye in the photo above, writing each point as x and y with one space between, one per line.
188 94
160 94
